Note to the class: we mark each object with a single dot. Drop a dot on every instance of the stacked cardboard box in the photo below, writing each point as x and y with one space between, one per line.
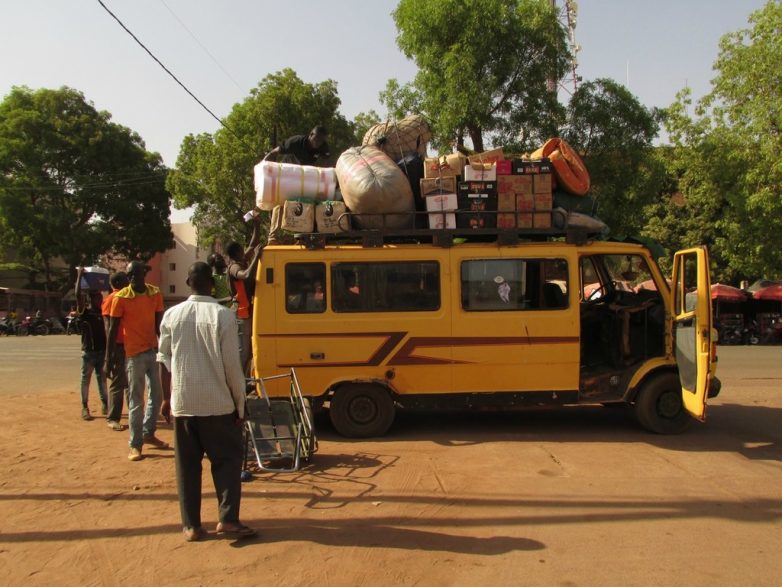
527 192
475 199
440 196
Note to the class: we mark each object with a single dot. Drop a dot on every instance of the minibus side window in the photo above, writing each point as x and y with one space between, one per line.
304 288
385 287
514 284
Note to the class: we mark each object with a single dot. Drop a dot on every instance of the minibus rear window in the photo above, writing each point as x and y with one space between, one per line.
410 286
514 284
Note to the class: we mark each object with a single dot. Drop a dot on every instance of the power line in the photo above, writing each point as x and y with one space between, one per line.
200 44
160 63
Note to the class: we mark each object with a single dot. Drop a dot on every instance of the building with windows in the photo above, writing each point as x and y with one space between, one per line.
169 269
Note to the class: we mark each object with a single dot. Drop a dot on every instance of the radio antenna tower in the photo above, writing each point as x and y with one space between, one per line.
567 16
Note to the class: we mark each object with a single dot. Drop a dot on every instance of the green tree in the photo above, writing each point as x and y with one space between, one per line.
484 69
613 132
725 158
74 185
214 172
362 123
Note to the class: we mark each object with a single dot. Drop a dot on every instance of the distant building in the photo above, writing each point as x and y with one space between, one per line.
169 269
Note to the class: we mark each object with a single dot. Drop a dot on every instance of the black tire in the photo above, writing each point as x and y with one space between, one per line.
22 330
42 330
361 410
659 406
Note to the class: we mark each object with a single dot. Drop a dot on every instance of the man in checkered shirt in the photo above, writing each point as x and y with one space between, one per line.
204 388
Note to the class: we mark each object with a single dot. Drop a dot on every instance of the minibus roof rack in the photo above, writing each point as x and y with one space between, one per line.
445 237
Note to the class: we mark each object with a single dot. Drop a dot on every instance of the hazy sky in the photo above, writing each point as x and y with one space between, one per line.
221 49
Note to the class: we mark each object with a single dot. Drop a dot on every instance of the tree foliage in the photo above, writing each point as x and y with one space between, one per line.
613 132
214 172
726 157
74 185
484 68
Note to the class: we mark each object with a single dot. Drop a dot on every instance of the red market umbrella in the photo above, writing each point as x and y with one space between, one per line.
726 293
772 292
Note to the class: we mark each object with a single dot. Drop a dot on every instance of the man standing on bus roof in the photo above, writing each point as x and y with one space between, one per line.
138 309
304 149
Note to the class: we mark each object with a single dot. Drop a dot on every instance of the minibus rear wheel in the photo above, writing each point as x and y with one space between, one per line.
361 410
659 406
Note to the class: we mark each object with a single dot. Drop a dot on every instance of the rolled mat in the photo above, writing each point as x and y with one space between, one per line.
569 169
277 182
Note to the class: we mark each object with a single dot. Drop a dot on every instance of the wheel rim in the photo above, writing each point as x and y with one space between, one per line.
669 405
362 410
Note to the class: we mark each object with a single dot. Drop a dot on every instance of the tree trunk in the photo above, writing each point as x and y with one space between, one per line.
476 135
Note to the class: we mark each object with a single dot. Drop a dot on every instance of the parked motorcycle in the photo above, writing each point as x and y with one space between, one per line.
36 326
774 333
731 336
8 326
55 326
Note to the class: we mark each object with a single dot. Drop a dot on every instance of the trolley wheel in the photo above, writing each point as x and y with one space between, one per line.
361 410
659 407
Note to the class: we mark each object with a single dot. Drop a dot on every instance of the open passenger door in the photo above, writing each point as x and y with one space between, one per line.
691 312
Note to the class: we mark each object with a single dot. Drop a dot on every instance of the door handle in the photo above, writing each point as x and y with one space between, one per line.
317 356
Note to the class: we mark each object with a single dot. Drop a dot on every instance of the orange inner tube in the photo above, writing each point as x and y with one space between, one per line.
569 169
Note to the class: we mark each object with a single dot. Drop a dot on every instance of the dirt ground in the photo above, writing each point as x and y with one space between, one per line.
569 497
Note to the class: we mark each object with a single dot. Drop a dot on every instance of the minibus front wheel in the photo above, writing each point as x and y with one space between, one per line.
659 407
361 410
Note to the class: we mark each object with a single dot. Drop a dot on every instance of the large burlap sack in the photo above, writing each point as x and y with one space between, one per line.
277 182
398 139
372 183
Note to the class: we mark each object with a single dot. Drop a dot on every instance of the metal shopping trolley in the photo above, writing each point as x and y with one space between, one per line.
279 430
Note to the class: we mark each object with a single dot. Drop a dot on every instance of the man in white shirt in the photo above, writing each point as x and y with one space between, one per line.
204 388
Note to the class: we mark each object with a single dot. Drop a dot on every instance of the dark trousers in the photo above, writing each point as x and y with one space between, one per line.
118 388
221 439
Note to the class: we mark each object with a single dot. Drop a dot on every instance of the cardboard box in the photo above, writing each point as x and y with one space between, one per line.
541 183
524 219
525 202
541 220
543 202
298 216
480 172
504 167
506 201
438 185
474 199
505 220
514 184
491 156
524 167
447 203
450 165
327 217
